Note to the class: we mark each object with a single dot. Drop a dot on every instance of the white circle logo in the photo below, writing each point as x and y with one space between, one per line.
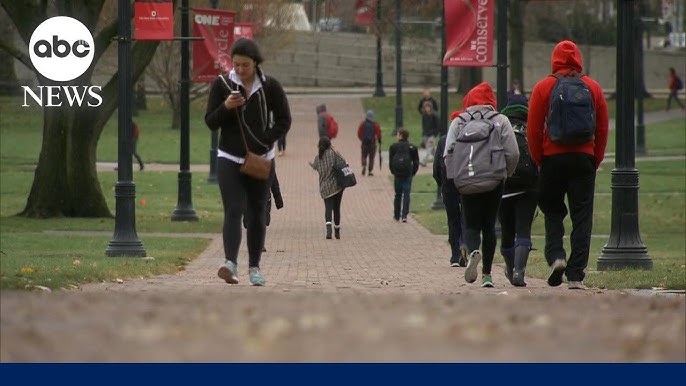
61 48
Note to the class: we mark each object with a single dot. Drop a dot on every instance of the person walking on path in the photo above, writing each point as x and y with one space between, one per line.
322 121
259 97
675 84
135 133
134 145
515 95
566 170
452 203
403 163
426 97
519 202
331 192
369 133
431 128
480 209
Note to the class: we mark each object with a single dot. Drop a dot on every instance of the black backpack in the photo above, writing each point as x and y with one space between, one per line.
401 163
368 134
571 118
525 175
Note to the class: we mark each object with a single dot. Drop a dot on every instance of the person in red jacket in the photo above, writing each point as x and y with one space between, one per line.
369 133
566 170
674 89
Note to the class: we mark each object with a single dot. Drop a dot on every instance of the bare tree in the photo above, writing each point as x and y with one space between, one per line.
66 183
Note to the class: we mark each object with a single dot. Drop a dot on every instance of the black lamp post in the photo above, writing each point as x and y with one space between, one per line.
378 91
640 126
125 241
502 54
438 204
625 248
184 208
214 138
398 72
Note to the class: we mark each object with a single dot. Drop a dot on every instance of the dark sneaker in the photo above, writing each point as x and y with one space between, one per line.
470 274
454 262
370 174
487 281
255 276
518 278
228 272
404 219
556 272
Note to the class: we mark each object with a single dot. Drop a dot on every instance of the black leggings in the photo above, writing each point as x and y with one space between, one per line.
516 214
236 190
480 212
332 206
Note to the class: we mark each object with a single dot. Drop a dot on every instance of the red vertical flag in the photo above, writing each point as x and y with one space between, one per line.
469 33
364 12
153 20
211 56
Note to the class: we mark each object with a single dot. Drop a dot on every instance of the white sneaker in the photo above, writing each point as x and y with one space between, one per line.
470 274
578 285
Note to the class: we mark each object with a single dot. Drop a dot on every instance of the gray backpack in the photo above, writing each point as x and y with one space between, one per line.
476 160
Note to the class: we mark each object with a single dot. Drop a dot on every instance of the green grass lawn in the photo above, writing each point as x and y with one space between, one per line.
31 257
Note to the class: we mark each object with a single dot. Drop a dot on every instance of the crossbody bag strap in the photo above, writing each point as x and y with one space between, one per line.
238 117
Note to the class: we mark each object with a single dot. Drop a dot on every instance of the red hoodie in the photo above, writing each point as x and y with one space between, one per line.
566 58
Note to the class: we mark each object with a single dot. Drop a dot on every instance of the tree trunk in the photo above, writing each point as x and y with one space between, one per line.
516 34
66 182
9 85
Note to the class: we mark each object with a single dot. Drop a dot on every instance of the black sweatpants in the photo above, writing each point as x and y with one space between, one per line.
573 175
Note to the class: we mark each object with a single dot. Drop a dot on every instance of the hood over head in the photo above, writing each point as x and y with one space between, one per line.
481 94
370 115
321 108
515 112
566 55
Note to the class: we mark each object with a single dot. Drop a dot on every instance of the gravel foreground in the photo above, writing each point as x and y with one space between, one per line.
249 325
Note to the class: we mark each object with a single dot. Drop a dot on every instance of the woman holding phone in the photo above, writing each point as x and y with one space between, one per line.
260 103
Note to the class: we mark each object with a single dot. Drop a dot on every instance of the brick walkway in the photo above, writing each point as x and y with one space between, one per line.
375 253
385 292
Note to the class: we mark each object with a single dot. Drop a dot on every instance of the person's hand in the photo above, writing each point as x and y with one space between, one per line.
233 101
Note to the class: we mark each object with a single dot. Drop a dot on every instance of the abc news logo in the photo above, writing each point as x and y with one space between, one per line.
62 49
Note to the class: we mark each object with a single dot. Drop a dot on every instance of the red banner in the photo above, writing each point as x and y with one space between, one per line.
469 33
364 12
243 30
211 56
153 20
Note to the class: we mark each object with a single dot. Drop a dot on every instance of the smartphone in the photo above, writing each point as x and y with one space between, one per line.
235 93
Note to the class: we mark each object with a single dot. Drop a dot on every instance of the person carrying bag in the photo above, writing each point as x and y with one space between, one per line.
251 111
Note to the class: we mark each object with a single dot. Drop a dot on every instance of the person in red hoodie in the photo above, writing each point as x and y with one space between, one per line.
566 170
480 210
673 89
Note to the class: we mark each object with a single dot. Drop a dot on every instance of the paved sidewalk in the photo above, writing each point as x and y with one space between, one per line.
375 254
384 292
